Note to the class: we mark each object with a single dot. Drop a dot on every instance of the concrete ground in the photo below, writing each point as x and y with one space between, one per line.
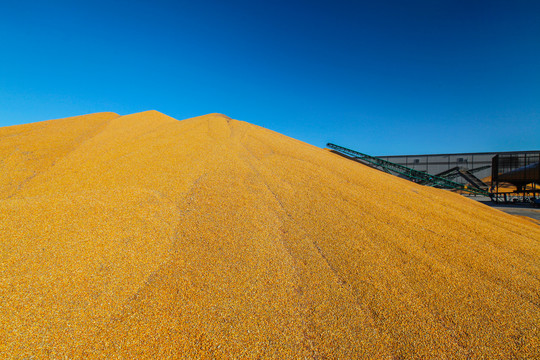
522 209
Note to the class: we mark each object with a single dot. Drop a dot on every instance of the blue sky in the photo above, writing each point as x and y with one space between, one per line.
381 77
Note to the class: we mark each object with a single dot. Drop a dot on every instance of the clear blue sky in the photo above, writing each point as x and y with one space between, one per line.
381 77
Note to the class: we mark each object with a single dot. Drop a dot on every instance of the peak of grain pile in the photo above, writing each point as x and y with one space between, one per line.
142 236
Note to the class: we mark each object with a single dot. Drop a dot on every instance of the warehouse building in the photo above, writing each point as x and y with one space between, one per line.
479 164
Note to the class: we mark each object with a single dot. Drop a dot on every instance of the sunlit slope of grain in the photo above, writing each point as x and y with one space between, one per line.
30 149
215 238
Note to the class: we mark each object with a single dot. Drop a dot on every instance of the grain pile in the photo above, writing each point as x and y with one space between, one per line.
141 236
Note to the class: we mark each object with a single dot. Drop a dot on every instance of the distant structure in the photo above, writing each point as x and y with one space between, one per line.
443 180
500 175
441 163
522 170
519 168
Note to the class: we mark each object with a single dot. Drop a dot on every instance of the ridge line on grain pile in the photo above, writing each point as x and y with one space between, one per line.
216 238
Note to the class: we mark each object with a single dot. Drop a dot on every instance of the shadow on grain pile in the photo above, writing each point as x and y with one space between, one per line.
141 236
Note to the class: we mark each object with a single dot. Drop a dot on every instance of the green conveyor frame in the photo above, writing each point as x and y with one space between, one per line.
411 174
